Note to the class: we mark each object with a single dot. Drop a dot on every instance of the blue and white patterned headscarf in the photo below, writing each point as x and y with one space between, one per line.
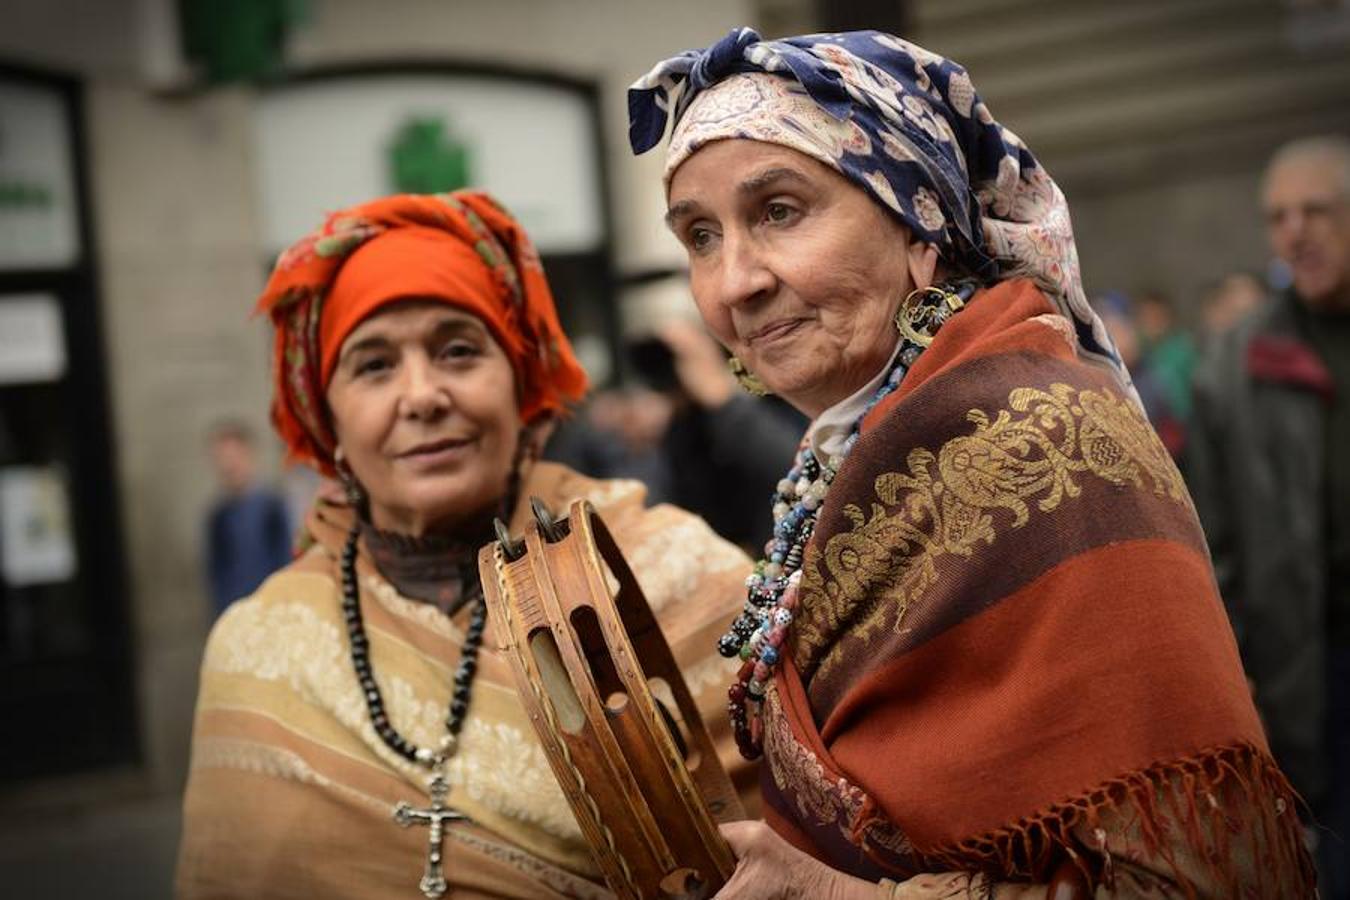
904 124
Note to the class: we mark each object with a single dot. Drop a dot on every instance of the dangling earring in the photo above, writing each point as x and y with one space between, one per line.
352 488
749 381
924 310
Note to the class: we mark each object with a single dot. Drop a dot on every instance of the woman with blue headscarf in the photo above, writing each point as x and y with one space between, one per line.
983 651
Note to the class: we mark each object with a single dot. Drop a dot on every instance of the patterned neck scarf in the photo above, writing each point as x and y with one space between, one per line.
462 248
905 125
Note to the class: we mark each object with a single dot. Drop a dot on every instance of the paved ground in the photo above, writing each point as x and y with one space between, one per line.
123 851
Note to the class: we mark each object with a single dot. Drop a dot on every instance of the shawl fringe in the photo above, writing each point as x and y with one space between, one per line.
1179 796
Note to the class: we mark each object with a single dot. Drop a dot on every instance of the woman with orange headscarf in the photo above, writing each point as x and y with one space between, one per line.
419 359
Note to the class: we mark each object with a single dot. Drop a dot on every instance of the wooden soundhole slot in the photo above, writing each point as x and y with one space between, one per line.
683 884
608 684
553 676
670 713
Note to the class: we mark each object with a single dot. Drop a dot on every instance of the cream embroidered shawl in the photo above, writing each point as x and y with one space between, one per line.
291 792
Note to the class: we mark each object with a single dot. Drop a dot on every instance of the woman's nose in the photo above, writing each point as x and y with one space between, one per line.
746 274
424 396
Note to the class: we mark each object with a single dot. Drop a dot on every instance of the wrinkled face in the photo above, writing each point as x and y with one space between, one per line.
1307 205
424 406
793 269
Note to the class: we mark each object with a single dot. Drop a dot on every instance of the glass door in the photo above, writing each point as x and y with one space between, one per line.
65 664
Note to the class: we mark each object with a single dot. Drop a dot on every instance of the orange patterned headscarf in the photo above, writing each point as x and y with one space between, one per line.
462 248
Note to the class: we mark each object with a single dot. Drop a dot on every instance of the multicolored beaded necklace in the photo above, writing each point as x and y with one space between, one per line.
759 632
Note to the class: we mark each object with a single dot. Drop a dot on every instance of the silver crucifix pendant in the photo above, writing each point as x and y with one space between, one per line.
433 883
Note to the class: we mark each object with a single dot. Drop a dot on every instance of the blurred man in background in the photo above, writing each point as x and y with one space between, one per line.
1270 466
727 448
248 532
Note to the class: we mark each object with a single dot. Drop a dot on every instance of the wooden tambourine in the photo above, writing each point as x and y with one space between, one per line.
617 721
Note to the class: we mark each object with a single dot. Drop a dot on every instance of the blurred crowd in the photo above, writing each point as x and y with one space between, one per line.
1163 352
1251 402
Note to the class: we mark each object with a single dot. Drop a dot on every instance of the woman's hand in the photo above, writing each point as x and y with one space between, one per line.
699 364
769 868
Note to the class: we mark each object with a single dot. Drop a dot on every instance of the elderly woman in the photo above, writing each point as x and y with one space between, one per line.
984 654
418 358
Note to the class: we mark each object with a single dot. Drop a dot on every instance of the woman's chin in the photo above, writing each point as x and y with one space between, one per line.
796 387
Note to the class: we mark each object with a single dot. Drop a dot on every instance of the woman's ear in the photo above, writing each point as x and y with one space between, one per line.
535 435
922 259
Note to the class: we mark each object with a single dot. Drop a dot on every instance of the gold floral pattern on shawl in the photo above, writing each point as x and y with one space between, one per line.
1028 455
817 796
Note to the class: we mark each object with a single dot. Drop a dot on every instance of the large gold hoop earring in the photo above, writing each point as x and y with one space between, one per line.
924 310
749 381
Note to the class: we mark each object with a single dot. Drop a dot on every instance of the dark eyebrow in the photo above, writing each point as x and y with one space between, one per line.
752 185
374 342
678 211
453 323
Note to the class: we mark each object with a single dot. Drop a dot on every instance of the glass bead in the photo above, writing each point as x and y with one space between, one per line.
802 486
768 657
785 487
782 617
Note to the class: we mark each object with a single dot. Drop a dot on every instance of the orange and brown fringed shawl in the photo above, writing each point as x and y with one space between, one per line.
1010 649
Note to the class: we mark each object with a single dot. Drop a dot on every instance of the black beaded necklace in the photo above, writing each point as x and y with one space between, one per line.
433 883
360 650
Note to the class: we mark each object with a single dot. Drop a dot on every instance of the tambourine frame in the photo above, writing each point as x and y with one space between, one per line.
643 780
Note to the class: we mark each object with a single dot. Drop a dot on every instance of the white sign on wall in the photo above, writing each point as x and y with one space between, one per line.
326 144
39 227
36 544
32 341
